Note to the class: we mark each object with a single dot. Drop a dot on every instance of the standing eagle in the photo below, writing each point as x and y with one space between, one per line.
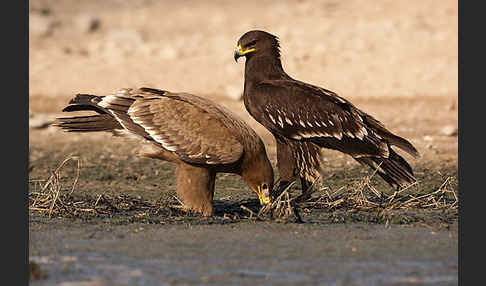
305 118
200 136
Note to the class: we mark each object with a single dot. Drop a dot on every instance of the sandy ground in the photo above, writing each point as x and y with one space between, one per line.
396 60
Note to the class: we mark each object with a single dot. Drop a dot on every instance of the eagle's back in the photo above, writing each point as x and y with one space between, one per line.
198 130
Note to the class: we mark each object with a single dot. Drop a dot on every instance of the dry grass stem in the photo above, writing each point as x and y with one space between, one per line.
50 194
252 213
282 208
359 199
363 196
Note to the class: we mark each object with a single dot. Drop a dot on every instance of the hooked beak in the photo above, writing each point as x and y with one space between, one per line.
263 199
239 52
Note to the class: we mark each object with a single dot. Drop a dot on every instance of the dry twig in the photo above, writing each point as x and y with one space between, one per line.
50 194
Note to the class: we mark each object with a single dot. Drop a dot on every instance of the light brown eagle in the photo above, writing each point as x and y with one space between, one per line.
201 137
305 118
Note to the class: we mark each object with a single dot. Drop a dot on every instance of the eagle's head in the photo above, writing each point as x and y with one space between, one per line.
257 42
257 172
260 180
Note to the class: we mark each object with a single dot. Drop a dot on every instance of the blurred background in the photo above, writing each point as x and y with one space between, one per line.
397 60
356 48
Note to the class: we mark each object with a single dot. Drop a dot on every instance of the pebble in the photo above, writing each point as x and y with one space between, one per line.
428 138
449 130
87 23
42 25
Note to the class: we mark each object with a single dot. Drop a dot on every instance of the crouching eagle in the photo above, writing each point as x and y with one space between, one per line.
305 118
201 137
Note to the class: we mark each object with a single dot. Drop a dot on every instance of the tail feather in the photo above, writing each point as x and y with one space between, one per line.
103 121
402 144
82 98
394 169
392 139
85 102
80 107
112 115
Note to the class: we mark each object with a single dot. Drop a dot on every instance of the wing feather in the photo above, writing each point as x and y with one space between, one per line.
307 109
314 114
182 125
197 130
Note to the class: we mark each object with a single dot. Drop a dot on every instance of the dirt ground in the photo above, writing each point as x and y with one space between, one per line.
396 60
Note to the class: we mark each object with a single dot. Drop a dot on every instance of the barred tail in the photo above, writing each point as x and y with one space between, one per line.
103 121
394 169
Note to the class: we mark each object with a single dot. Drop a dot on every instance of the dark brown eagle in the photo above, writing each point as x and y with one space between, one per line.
305 118
200 136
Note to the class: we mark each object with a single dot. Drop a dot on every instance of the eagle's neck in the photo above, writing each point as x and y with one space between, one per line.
263 67
258 68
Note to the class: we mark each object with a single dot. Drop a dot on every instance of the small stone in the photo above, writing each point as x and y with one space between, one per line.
449 130
41 25
35 272
428 138
87 23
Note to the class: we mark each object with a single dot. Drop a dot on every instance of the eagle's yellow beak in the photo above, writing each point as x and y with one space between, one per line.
263 200
239 52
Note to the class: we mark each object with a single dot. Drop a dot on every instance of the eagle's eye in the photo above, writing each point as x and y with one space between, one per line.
252 43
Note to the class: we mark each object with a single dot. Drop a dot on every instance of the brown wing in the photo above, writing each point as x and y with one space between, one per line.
301 111
177 122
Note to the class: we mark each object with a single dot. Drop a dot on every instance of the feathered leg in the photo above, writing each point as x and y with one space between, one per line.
308 158
286 167
195 187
